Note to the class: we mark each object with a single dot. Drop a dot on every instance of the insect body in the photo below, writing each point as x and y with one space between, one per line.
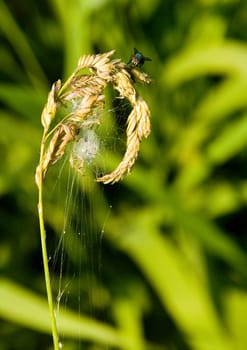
133 67
137 59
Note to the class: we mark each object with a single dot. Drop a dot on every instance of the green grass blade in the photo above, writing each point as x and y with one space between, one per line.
20 44
180 289
26 308
222 58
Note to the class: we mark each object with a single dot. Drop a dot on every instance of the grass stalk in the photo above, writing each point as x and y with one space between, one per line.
45 259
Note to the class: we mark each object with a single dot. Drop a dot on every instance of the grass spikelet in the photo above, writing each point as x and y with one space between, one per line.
50 108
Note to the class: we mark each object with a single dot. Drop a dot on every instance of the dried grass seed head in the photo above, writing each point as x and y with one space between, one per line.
84 94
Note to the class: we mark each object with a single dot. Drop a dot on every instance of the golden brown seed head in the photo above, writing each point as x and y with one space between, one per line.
83 95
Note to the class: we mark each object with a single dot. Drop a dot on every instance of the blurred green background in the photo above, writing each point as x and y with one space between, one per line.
170 271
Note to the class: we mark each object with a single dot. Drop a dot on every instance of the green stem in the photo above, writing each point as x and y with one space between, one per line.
45 260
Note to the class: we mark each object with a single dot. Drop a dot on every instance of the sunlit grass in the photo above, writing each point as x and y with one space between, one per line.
174 238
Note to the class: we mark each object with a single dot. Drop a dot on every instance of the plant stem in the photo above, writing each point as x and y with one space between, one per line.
45 261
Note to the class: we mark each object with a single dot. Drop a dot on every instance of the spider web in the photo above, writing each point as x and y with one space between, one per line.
77 260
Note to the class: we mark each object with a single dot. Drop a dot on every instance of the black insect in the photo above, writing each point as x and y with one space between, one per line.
137 59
